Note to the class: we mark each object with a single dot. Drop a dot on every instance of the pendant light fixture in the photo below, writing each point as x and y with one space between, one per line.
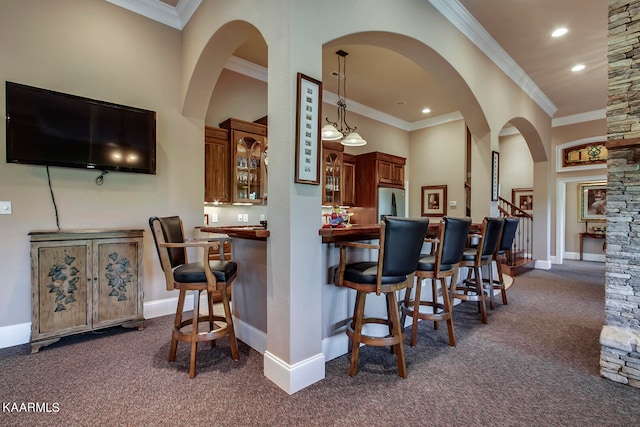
340 129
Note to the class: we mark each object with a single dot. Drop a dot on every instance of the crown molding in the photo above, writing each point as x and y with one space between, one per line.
471 28
176 17
579 118
242 66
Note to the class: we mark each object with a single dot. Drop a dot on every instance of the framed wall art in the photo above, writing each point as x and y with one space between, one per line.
309 102
523 199
495 176
434 200
592 201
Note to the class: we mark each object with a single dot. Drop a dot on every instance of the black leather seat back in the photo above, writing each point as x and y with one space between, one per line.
455 234
172 233
402 244
508 233
492 235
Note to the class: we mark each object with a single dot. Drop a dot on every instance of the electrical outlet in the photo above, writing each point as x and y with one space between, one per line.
5 208
262 217
239 217
245 217
453 203
214 217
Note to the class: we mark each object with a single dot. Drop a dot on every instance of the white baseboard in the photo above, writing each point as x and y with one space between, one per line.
293 378
543 264
250 335
586 256
13 335
335 346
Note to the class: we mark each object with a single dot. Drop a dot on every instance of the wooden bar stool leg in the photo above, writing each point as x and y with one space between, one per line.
416 310
210 307
434 302
446 301
503 289
227 314
490 288
194 335
481 296
176 325
358 317
394 317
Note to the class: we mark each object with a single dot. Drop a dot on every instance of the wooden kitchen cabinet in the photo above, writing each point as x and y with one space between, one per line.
217 163
332 153
248 180
375 170
84 280
348 179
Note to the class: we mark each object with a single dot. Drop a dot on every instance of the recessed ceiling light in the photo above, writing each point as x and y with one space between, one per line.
426 110
578 67
559 32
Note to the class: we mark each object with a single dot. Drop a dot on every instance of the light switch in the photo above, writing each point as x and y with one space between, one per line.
245 217
5 208
239 217
214 217
453 203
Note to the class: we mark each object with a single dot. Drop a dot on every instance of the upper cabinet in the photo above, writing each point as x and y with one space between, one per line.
234 162
332 173
217 163
385 170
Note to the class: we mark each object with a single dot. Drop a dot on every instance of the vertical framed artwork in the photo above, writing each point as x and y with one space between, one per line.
592 201
434 200
495 175
309 102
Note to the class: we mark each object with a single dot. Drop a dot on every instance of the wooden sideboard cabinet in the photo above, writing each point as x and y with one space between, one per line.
217 163
83 280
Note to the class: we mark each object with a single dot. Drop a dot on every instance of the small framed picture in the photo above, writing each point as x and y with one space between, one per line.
592 201
522 198
308 130
434 200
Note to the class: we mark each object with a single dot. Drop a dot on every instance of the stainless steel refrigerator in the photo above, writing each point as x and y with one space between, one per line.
391 202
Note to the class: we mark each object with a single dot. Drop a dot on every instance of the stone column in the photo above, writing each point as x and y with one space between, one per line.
620 336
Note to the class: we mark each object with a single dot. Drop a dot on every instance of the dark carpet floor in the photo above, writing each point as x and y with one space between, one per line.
534 364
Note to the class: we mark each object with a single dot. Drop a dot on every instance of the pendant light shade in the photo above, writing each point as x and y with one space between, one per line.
330 133
353 140
340 129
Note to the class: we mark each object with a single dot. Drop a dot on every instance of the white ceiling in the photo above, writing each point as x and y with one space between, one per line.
514 33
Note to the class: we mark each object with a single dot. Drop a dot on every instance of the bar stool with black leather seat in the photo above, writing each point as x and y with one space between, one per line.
472 288
444 264
506 242
398 254
184 276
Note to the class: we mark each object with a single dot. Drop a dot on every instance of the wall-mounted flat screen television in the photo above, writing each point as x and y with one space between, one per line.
57 129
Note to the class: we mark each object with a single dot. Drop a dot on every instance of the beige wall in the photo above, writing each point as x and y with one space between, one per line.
98 50
438 158
516 165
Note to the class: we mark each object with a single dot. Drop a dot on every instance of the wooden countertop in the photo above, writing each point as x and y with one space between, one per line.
254 232
369 232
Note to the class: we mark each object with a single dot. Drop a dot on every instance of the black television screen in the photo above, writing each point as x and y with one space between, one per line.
56 129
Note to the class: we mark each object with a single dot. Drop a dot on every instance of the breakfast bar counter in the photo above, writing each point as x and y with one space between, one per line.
255 232
249 290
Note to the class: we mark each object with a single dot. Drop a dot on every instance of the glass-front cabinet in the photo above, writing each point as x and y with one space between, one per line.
248 163
332 173
248 181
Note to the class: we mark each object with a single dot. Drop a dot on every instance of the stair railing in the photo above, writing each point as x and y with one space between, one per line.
522 248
